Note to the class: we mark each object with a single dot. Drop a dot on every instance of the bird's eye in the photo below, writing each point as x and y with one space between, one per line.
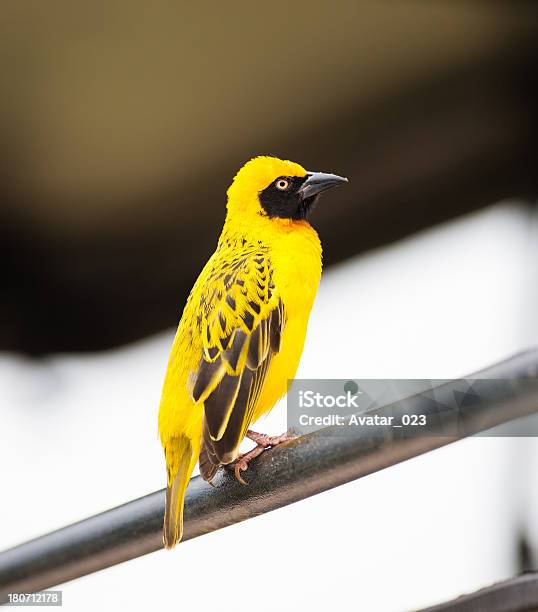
282 184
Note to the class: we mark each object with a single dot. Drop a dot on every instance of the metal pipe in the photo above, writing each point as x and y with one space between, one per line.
514 595
303 467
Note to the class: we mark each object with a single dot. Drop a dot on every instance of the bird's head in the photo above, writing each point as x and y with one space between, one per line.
277 189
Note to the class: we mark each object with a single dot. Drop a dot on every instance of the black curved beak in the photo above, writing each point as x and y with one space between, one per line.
316 182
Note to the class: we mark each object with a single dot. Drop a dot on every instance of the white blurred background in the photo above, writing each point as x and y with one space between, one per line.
440 304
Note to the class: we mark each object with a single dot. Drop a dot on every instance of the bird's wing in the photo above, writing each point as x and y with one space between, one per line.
240 319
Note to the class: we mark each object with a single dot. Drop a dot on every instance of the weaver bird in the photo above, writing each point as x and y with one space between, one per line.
243 328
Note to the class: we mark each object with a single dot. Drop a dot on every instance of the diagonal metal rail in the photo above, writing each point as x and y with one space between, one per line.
291 472
519 594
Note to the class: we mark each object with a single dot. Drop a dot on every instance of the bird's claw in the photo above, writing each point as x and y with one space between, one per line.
263 442
240 466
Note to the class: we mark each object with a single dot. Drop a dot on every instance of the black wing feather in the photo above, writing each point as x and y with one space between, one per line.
239 336
262 344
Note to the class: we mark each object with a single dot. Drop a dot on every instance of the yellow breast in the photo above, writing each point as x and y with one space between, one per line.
296 259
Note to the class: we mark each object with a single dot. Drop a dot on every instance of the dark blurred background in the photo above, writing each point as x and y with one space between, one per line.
123 126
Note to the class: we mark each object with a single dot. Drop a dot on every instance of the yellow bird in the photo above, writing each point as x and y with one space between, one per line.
243 328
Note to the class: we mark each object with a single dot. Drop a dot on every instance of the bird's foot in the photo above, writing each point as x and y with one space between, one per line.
267 441
263 442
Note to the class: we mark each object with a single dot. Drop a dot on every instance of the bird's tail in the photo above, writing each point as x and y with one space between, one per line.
178 480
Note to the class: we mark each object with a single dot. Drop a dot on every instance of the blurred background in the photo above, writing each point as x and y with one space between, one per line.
122 126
